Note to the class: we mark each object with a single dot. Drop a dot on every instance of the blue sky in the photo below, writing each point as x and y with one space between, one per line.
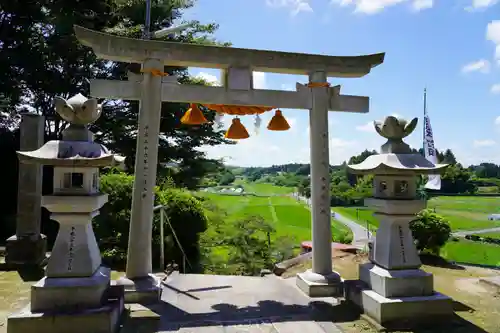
452 47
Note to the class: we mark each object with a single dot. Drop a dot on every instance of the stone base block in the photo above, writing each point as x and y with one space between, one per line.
103 319
396 283
399 311
53 294
26 250
143 290
317 285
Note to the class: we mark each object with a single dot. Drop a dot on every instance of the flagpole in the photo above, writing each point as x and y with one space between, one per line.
425 101
423 123
146 33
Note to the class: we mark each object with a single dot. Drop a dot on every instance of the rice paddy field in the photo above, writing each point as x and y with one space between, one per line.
465 213
290 217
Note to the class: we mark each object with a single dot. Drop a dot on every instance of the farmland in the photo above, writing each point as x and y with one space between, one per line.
289 217
465 213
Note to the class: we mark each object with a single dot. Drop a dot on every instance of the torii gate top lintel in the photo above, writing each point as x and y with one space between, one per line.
123 49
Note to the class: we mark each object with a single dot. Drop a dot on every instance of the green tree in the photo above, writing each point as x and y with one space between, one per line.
227 178
456 179
449 157
249 246
430 231
43 59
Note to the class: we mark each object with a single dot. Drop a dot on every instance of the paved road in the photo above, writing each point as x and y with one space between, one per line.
474 232
360 234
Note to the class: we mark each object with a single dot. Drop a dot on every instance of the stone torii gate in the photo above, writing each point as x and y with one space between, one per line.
237 65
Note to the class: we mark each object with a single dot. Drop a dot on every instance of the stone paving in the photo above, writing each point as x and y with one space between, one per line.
230 304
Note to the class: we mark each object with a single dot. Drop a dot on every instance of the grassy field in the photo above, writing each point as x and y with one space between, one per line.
290 217
264 188
472 252
467 213
464 213
490 234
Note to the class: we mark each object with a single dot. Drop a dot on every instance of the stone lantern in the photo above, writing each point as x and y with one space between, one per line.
76 287
391 288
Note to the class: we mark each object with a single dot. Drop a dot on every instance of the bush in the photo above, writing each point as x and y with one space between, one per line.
185 220
185 216
343 237
111 226
430 231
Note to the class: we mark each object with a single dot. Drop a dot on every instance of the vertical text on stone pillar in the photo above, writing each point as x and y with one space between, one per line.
402 243
71 250
145 161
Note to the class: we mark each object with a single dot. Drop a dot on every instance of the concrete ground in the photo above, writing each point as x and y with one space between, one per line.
212 304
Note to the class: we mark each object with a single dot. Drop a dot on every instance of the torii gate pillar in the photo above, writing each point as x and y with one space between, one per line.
320 281
139 282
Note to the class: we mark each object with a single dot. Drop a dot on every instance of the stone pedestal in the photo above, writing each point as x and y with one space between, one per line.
144 290
318 285
66 294
26 250
28 246
397 297
77 305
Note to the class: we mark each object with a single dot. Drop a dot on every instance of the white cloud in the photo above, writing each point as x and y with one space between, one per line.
368 127
481 4
497 120
295 6
495 89
493 34
484 143
481 65
259 80
376 6
419 5
341 143
287 87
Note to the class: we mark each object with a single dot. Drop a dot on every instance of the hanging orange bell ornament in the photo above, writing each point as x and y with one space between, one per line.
194 116
236 130
278 122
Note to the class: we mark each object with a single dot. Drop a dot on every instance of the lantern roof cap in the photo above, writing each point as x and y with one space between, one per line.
71 154
396 157
396 164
